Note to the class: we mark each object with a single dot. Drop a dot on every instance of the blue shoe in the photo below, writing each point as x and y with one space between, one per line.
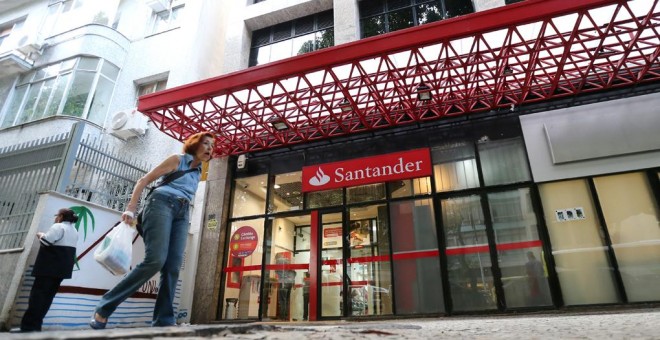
95 324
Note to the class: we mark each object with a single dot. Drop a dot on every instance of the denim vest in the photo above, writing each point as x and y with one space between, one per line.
186 185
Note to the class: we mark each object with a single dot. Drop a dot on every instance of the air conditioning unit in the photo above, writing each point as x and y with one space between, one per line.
29 44
158 5
126 124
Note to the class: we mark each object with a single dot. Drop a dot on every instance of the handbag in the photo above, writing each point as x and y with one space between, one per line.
168 179
116 250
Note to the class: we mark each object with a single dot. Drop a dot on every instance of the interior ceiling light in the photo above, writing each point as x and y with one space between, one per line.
423 92
345 105
278 124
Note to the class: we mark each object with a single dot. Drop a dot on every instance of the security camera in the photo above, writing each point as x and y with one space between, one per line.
242 162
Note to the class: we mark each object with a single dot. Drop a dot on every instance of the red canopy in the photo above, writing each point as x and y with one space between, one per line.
532 51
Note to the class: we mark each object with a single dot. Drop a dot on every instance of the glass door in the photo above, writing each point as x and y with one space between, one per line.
285 293
368 266
331 275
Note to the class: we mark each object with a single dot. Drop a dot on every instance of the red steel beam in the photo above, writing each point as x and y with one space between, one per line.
468 25
478 62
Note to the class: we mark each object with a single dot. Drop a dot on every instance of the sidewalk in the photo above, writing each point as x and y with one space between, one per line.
642 323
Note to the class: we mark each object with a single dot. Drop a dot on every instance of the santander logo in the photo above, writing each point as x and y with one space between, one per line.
319 179
366 170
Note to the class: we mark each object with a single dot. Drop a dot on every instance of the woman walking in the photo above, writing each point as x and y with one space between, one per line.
54 263
165 229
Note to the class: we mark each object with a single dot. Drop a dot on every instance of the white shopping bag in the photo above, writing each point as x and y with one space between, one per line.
115 251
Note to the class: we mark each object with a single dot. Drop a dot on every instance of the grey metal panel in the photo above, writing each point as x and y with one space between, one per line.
595 132
638 116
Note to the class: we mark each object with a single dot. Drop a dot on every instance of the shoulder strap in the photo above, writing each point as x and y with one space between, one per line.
171 177
174 175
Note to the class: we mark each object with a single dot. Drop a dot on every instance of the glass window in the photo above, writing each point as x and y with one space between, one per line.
579 250
373 26
286 192
409 187
14 106
326 198
468 257
379 16
78 94
631 214
428 12
524 275
88 64
249 197
325 38
100 101
44 96
69 14
400 19
304 44
455 8
503 161
454 167
243 271
152 87
109 70
58 95
292 38
28 107
63 89
365 193
417 281
166 20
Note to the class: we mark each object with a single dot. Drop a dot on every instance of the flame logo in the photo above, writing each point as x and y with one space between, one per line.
319 179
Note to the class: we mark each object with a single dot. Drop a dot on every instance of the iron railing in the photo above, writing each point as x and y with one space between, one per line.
80 167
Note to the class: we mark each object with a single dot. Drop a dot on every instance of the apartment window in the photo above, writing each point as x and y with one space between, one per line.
150 87
7 29
79 87
292 38
383 16
64 15
167 19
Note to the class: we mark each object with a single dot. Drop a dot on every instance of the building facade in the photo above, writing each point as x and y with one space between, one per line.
70 76
378 158
392 158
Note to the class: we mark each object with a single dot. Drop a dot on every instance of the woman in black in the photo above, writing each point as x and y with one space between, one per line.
54 263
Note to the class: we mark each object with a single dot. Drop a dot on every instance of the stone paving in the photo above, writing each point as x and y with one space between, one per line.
642 323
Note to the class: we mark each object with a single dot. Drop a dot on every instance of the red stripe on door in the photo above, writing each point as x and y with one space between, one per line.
483 248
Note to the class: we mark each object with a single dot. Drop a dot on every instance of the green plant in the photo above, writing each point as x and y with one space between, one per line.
84 215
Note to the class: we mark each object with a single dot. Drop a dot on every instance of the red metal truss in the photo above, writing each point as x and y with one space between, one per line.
531 51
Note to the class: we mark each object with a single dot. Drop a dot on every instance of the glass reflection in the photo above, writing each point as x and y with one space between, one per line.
468 257
428 13
524 275
400 19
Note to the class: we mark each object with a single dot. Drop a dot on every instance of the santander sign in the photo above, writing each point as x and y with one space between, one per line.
367 170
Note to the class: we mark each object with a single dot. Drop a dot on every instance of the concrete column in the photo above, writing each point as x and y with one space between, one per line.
212 244
347 21
237 37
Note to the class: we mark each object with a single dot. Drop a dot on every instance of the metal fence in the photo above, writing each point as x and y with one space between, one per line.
67 163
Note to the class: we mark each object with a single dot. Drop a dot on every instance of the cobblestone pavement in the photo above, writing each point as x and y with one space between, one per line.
617 324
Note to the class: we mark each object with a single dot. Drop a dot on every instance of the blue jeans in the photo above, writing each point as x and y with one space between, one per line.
165 225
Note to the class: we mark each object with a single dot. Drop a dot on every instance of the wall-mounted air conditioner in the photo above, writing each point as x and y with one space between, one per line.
158 5
128 123
29 44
